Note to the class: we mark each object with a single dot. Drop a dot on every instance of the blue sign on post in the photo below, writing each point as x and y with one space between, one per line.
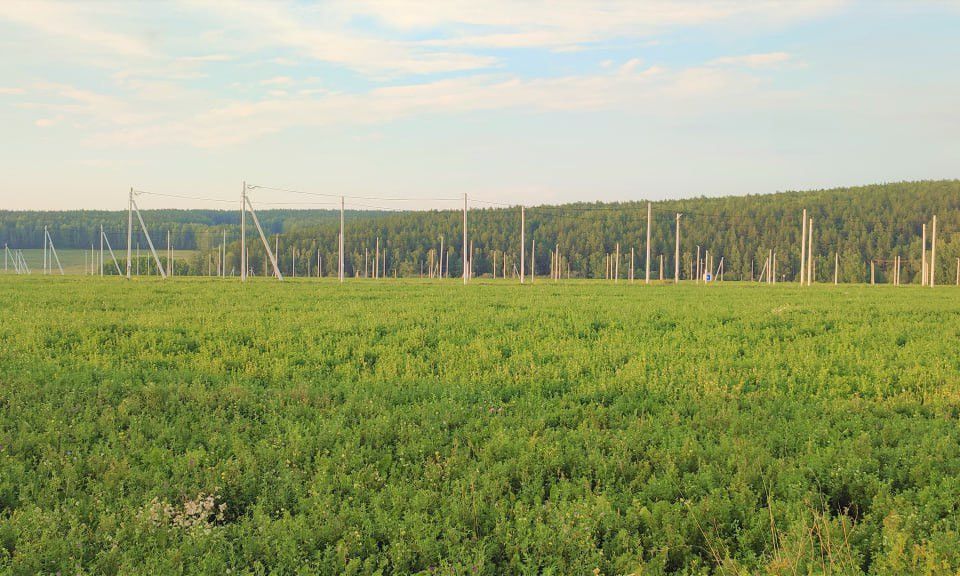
707 277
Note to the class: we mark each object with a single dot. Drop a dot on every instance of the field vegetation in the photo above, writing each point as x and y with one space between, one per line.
201 426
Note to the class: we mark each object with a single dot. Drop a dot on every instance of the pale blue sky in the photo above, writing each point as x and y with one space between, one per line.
519 102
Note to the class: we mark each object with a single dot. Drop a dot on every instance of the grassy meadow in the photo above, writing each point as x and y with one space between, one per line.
200 426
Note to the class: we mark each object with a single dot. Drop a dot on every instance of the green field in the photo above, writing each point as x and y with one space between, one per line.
201 426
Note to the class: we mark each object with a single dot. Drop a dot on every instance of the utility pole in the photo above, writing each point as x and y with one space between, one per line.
649 226
810 252
803 246
523 246
341 239
129 232
616 276
676 257
466 262
243 237
698 264
101 249
533 259
923 258
933 254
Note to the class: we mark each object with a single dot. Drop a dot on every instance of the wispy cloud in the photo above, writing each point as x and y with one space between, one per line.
650 90
753 60
82 23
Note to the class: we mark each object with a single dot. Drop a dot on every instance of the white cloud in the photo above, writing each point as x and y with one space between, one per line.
277 81
12 91
207 58
649 91
81 22
753 60
327 36
557 23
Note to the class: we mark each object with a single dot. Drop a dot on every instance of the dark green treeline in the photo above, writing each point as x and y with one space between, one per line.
876 222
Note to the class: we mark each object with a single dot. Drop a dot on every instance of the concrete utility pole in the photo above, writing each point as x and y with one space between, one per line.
341 240
243 237
676 257
698 263
101 249
616 276
803 246
533 259
466 260
923 257
649 225
933 254
523 245
129 232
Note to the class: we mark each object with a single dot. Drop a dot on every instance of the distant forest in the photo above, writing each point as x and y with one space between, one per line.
876 222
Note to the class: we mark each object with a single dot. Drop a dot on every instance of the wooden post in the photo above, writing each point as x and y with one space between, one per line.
803 245
774 267
836 268
376 260
661 268
441 257
933 253
872 273
631 264
958 271
810 252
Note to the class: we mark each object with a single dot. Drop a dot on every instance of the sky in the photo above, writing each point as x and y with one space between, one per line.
509 101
